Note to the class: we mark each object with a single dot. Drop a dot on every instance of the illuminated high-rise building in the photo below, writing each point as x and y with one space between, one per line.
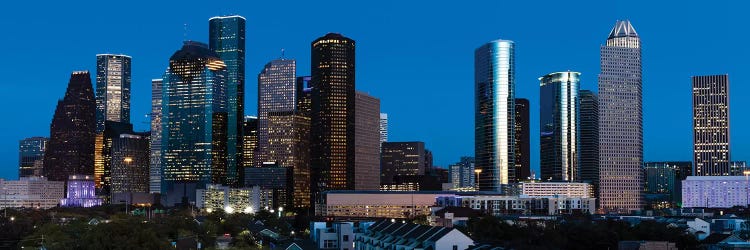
588 149
130 163
289 146
383 127
711 125
155 137
194 122
304 96
402 159
112 89
277 87
250 141
367 142
31 156
621 121
494 114
333 102
226 37
522 140
71 146
558 125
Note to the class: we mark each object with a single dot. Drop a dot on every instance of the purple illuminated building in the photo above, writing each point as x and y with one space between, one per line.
81 192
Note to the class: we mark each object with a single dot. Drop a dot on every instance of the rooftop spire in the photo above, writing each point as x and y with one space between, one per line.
622 28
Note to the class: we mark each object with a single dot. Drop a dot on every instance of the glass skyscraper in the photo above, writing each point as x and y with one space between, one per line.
226 37
711 125
558 126
31 156
621 121
277 87
193 122
112 89
494 114
333 104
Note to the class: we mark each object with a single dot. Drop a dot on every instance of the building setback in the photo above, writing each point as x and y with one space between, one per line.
333 124
522 142
558 125
226 37
711 125
71 146
194 122
367 142
621 121
31 156
494 114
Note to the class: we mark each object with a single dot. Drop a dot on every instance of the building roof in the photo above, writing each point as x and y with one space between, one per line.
716 178
623 28
410 234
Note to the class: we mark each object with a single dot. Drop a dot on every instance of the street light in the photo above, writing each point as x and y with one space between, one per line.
477 171
281 209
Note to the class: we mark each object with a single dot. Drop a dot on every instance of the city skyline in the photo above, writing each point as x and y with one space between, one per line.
447 147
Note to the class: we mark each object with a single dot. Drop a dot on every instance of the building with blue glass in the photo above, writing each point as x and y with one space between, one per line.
494 114
31 156
193 122
226 37
558 126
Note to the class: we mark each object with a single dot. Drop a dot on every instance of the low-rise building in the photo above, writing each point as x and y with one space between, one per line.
233 200
652 245
497 205
377 204
450 216
715 191
546 189
31 192
336 235
395 235
81 192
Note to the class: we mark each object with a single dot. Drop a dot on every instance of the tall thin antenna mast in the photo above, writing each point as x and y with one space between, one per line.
184 35
282 53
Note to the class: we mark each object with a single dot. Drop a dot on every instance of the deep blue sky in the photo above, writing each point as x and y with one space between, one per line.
416 56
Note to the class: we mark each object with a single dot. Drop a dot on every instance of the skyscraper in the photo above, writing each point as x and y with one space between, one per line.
130 163
665 178
588 149
289 146
194 118
462 173
250 141
332 68
31 156
494 114
155 137
112 89
367 142
711 125
304 96
276 93
401 159
558 126
71 146
383 127
226 37
112 132
522 142
620 121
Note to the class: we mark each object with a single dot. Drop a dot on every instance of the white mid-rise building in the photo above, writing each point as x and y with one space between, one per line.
569 189
715 191
233 200
31 192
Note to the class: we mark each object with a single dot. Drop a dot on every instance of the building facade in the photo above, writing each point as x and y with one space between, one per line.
383 127
194 122
567 189
130 163
81 192
664 179
588 150
233 200
155 137
333 104
401 159
394 235
112 89
226 38
499 205
277 92
367 142
711 125
558 125
31 156
279 180
462 174
715 191
522 142
71 146
738 168
289 147
494 114
621 121
250 141
31 192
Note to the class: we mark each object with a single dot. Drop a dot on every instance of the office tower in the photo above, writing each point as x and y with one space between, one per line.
738 168
663 182
155 137
111 133
522 142
194 116
383 127
304 96
112 89
332 68
588 146
226 37
71 146
711 125
289 146
620 121
462 173
31 156
367 142
402 158
494 114
558 125
250 141
276 93
271 177
130 163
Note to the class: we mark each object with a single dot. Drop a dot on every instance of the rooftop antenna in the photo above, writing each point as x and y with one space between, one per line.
184 35
282 53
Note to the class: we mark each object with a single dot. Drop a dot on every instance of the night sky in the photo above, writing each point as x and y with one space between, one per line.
416 56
